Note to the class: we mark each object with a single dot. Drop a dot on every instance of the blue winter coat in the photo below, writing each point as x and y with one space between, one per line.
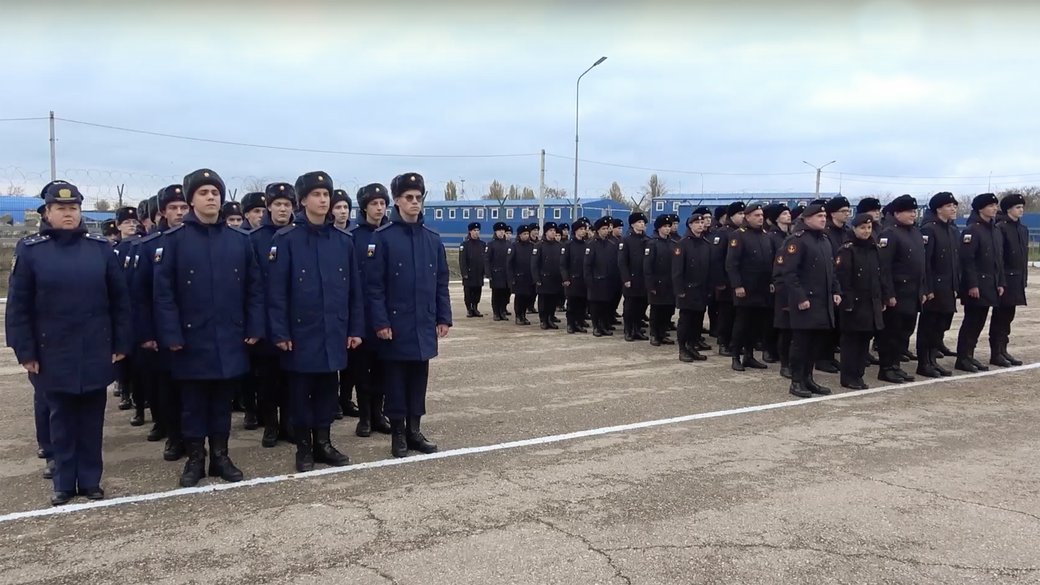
260 240
208 298
406 285
68 308
314 296
362 233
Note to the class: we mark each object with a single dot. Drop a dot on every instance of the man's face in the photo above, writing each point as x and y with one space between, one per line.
579 233
175 212
474 234
697 226
665 230
281 211
756 218
875 214
864 230
617 231
234 220
128 228
317 202
341 212
525 236
409 202
988 212
639 227
500 234
947 212
737 218
840 216
147 223
206 201
63 216
784 219
1016 212
603 232
375 211
536 233
255 216
815 222
906 217
550 235
564 235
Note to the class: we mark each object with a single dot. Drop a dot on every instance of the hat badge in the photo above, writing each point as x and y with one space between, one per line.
64 194
205 174
412 178
281 187
321 178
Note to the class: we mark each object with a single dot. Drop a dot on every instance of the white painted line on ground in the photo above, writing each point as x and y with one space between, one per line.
68 509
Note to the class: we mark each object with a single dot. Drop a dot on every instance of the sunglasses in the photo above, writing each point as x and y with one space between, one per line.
412 198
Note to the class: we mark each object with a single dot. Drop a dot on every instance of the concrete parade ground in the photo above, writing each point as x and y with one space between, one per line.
571 459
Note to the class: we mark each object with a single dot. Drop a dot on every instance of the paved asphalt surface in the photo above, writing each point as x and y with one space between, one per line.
934 483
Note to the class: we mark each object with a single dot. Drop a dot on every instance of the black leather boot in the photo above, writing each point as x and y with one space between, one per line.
416 440
324 452
938 367
978 365
1004 352
270 438
736 365
220 464
996 358
174 448
249 421
157 433
798 389
398 439
364 423
965 365
926 369
304 450
684 354
890 375
195 466
751 362
815 388
379 422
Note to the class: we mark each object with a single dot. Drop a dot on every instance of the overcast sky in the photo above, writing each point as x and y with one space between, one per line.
736 94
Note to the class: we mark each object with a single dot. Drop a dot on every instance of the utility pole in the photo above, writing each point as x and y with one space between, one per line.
462 190
541 193
819 170
119 190
577 92
54 171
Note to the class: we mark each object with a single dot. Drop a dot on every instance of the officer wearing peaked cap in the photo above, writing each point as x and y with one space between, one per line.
364 368
631 250
410 310
982 277
496 257
70 352
209 307
1015 254
943 272
471 264
545 268
253 207
905 286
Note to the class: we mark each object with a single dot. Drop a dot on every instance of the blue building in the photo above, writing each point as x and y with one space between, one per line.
20 206
683 204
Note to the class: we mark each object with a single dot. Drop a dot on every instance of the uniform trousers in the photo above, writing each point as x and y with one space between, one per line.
633 311
576 309
783 346
1000 327
894 339
601 314
521 304
971 328
42 418
168 401
274 391
366 371
206 407
748 329
689 328
930 329
854 347
499 300
146 364
660 317
405 388
77 426
471 295
312 398
547 304
806 346
724 321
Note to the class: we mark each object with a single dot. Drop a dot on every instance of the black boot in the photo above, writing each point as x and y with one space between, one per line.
137 419
872 359
785 372
965 365
736 365
890 375
496 314
124 400
476 311
379 422
1004 352
770 357
521 321
249 421
350 409
195 466
996 358
270 438
978 365
828 366
174 448
926 369
416 440
684 354
324 452
751 362
304 450
798 389
938 367
220 464
364 423
469 310
398 438
724 350
815 388
157 433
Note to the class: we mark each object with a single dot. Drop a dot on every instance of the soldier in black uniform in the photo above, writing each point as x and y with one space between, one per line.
691 264
108 228
572 274
616 226
600 270
545 268
838 210
778 227
749 267
630 263
982 277
564 231
813 292
495 256
871 206
518 269
943 272
723 293
1015 239
657 271
716 223
858 265
905 287
471 263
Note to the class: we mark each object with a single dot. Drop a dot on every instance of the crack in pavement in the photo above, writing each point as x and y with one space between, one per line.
592 548
943 496
382 574
845 555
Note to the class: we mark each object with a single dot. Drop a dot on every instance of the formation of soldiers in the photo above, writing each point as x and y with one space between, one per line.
274 302
801 286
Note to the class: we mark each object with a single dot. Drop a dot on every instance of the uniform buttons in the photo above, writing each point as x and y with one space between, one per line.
236 270
393 312
188 325
303 271
189 283
191 271
301 279
341 270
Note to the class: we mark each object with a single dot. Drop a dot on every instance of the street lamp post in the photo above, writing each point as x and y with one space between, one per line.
819 169
577 90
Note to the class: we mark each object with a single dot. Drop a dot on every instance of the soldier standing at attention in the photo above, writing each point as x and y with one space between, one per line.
691 260
68 322
253 207
943 273
723 292
657 271
749 269
1015 258
572 274
904 283
340 210
982 277
600 270
545 268
813 292
209 307
631 250
316 313
495 259
518 269
471 264
410 310
858 265
232 213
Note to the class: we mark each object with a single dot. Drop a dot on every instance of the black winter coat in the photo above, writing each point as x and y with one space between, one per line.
572 269
495 260
942 266
903 267
749 265
691 270
630 264
601 270
518 267
808 273
657 267
982 264
858 265
471 261
1015 238
545 266
720 246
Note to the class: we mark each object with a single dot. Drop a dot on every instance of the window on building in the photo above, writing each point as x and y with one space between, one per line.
675 207
509 213
451 214
523 213
465 213
557 213
659 206
494 214
353 214
480 213
438 214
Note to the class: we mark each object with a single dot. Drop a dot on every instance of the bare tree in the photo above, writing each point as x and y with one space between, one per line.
512 193
102 205
254 185
451 192
614 194
13 189
528 193
555 193
495 191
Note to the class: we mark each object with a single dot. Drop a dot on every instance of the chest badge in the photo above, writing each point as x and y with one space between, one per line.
925 238
883 242
158 255
677 251
967 238
646 252
791 248
371 251
733 243
717 240
272 254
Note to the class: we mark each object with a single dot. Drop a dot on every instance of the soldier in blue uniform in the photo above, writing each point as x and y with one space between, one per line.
858 266
1015 258
905 283
518 271
406 281
631 250
691 270
364 368
108 230
495 259
572 275
127 223
209 307
340 210
316 313
982 277
657 274
232 213
545 269
943 273
165 395
253 207
472 251
273 399
68 318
